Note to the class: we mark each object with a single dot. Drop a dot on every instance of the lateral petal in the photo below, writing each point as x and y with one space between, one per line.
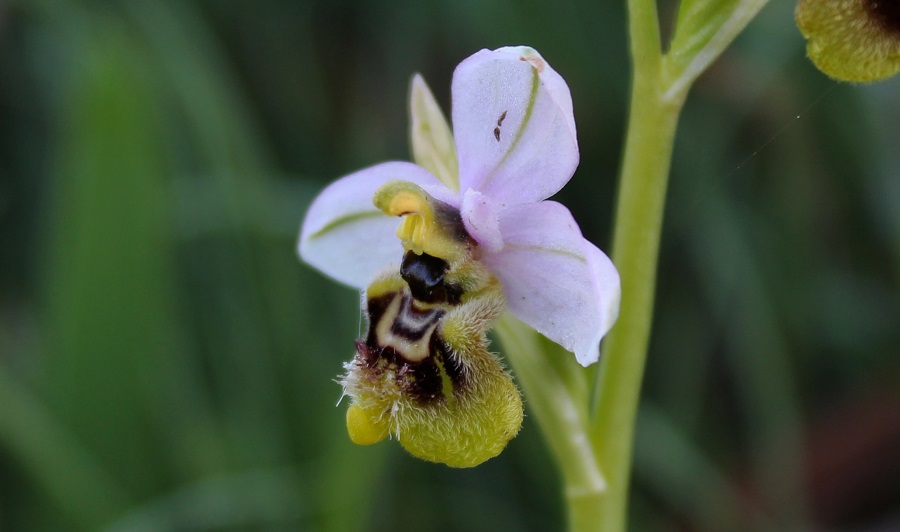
345 236
554 279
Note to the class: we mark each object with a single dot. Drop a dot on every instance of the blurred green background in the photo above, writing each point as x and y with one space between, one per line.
167 363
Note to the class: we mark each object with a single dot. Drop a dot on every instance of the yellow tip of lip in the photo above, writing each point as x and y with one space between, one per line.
364 430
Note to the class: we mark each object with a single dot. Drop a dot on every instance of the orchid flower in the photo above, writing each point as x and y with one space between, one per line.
515 145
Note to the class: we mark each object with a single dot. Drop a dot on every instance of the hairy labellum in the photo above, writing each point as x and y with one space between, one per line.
423 373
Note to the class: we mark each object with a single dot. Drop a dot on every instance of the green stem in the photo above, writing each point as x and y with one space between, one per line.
653 119
554 390
659 87
635 251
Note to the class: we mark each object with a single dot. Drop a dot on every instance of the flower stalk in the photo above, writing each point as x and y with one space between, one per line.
638 226
660 85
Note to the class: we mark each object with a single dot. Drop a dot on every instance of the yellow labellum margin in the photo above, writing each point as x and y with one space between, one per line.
852 40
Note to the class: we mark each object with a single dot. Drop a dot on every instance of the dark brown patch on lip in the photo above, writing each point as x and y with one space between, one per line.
414 331
376 307
420 381
886 13
452 366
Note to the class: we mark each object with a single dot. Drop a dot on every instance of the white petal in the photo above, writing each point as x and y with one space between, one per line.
554 279
513 126
345 236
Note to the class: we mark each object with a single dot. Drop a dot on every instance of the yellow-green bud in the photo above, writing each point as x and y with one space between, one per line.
852 40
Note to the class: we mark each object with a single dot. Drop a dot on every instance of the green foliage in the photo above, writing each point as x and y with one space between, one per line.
703 30
696 25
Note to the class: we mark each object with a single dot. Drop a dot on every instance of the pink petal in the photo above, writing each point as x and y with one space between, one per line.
345 236
513 125
554 279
